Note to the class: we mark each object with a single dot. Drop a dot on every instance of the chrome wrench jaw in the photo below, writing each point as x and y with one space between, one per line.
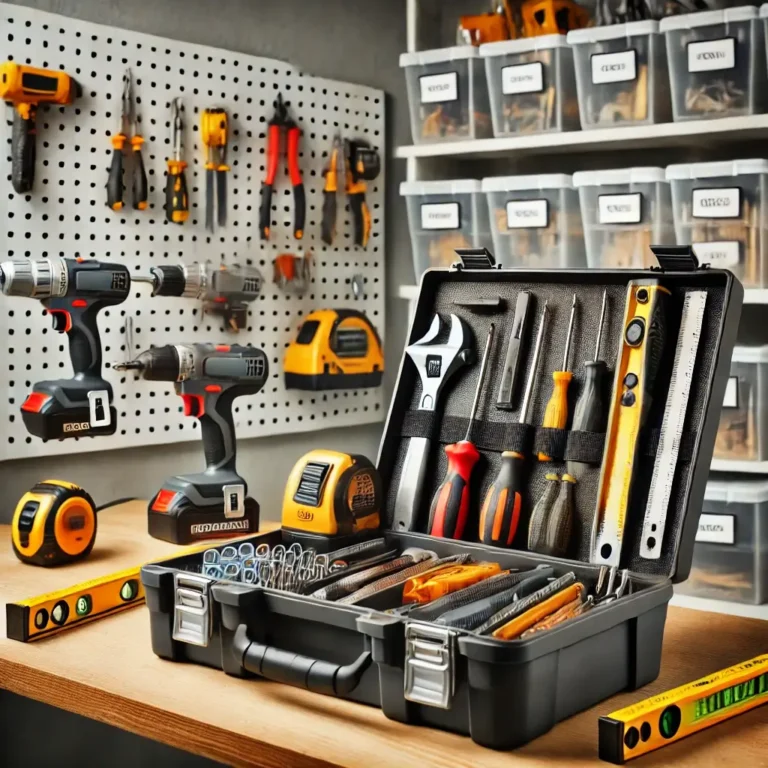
436 364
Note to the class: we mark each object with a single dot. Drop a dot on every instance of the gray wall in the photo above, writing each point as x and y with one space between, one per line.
340 39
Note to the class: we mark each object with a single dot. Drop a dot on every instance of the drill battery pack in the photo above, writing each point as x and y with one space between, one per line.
46 417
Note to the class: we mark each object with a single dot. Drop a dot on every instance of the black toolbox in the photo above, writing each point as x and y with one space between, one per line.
501 693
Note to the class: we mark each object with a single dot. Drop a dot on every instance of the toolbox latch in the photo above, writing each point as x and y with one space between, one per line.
192 620
474 258
430 665
677 258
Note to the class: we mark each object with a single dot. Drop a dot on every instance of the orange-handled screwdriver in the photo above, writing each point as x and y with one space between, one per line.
500 513
450 506
556 413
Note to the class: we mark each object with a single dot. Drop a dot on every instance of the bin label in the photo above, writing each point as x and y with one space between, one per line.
440 216
716 529
439 88
620 209
718 254
522 78
614 67
709 55
716 203
527 214
731 399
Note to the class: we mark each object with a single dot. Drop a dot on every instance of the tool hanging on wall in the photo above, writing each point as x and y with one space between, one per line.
25 88
128 133
500 513
331 496
509 377
225 290
331 174
73 291
676 406
670 716
213 132
281 123
450 506
637 366
176 197
436 363
292 274
362 163
334 349
208 377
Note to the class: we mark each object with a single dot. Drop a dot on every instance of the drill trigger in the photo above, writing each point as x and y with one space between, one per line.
194 405
61 320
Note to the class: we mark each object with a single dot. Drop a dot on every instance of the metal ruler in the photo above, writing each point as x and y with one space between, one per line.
672 425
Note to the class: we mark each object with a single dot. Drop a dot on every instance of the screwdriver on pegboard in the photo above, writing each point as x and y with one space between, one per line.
450 506
176 200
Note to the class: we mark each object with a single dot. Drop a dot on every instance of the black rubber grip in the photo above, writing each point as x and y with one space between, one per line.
265 210
214 421
301 671
176 198
328 226
299 211
23 152
84 343
356 206
115 181
139 188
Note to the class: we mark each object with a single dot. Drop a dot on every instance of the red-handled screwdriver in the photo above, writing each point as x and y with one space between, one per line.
448 514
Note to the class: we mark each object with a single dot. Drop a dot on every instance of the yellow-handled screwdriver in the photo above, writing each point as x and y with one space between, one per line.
556 413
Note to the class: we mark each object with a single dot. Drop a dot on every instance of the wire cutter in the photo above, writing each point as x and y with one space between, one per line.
176 199
128 130
279 124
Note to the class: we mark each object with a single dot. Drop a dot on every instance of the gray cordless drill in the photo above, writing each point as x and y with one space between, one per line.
212 503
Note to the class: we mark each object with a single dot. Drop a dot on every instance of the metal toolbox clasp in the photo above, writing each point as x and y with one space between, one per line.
430 665
192 620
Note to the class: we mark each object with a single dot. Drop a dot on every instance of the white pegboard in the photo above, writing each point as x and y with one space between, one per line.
66 215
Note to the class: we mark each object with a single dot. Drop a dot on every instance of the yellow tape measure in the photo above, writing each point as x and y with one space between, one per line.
673 715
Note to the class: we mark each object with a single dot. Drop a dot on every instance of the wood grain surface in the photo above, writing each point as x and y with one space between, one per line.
107 671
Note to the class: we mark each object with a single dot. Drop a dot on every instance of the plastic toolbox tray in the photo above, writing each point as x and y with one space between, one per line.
502 693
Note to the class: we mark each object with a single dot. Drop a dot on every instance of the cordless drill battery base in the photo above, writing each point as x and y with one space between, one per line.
208 377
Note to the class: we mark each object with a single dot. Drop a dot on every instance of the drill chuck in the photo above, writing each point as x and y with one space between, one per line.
156 364
35 278
189 282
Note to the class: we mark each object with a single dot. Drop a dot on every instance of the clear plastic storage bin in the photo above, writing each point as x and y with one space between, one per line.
447 94
720 209
621 73
444 216
717 64
535 221
624 212
531 85
730 558
743 431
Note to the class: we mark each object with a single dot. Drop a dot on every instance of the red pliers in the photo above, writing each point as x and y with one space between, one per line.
280 123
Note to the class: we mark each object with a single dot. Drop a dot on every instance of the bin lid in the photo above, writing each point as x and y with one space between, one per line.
737 491
524 45
716 169
639 175
613 32
436 55
449 187
756 354
532 181
708 18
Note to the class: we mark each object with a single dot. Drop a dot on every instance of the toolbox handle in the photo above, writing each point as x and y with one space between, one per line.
293 669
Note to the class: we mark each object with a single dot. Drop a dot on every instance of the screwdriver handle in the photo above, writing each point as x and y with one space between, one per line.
589 414
560 522
176 201
140 189
450 506
538 524
556 413
500 513
115 178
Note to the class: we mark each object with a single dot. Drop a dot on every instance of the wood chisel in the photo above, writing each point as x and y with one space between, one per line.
672 424
511 370
637 366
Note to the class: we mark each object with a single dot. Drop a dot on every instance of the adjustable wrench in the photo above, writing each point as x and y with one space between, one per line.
436 363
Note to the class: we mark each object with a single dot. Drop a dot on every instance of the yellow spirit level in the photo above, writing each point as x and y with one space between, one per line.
671 716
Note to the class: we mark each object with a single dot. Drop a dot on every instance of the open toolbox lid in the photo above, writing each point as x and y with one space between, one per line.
439 293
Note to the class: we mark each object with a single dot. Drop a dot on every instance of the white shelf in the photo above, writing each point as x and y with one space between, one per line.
702 133
731 465
721 606
756 296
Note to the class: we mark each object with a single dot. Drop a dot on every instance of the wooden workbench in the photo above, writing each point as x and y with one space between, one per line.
107 671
